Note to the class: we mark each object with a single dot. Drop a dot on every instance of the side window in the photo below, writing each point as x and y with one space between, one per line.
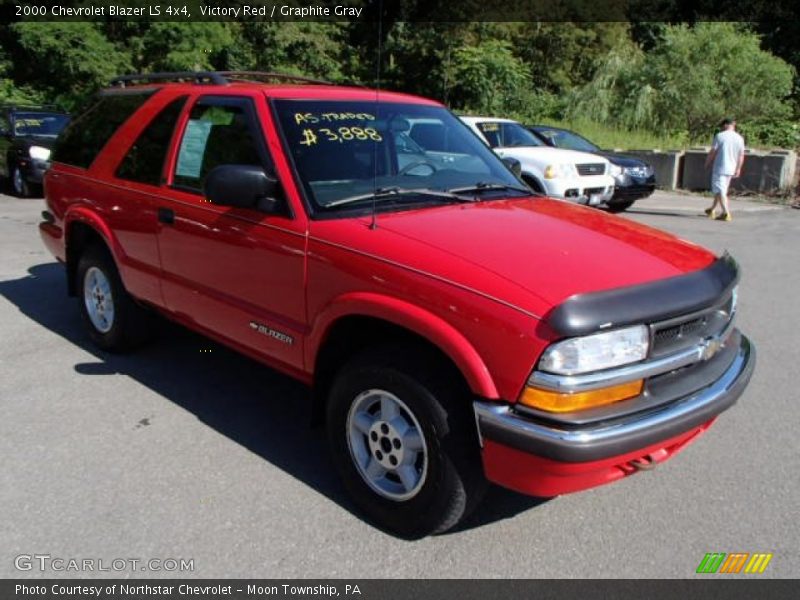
510 137
491 131
219 132
144 162
83 139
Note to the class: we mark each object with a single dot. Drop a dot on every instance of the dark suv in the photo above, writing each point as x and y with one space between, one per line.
634 178
27 134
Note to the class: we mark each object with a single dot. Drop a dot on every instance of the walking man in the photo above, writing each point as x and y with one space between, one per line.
727 156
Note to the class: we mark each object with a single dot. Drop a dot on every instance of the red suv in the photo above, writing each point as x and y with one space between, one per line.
455 328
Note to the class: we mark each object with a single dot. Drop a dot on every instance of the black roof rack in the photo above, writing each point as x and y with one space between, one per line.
196 76
255 75
212 77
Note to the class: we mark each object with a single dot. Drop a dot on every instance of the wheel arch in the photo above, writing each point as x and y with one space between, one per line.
360 320
82 229
530 177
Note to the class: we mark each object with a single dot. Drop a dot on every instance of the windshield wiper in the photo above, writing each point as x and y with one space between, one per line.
483 186
393 192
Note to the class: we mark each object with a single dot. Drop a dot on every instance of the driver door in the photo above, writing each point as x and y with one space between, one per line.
236 273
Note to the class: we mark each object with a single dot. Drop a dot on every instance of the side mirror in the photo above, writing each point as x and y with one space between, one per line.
514 165
242 186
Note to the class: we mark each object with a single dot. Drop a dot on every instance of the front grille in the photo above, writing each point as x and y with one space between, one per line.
591 169
683 332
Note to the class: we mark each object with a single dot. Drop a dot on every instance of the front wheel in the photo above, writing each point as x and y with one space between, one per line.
618 207
18 184
113 319
404 441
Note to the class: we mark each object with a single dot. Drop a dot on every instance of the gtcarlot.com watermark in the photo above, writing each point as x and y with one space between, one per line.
46 562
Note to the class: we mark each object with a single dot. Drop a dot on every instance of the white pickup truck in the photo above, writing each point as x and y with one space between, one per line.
577 176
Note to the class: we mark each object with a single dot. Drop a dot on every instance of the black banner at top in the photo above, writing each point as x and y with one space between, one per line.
400 10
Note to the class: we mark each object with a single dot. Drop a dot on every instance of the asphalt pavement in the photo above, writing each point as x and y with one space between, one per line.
188 451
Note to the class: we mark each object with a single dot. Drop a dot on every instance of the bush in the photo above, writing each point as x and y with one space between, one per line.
777 133
489 79
688 81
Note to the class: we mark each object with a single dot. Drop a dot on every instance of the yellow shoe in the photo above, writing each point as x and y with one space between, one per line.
709 213
725 217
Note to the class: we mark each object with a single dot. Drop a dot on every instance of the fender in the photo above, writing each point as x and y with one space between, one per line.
87 216
409 316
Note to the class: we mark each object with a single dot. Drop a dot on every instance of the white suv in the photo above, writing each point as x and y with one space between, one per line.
578 176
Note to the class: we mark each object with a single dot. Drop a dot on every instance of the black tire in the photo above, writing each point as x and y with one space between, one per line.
18 184
453 481
131 325
618 207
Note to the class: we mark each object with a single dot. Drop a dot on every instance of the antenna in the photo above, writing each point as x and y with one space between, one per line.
374 223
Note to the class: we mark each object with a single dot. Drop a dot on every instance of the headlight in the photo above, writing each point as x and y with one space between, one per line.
596 352
556 171
39 152
641 171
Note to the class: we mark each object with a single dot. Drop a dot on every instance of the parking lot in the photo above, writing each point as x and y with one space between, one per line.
186 450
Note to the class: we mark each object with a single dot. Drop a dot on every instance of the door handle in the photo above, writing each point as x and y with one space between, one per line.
166 215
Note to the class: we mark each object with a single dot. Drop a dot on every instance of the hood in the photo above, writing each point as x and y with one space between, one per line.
623 160
45 141
531 254
550 155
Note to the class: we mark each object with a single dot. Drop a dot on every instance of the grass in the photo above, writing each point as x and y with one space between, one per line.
608 137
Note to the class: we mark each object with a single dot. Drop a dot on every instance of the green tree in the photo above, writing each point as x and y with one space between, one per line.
299 48
10 93
168 46
563 55
65 61
488 78
689 80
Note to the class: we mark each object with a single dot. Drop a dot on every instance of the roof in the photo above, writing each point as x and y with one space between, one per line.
492 119
281 86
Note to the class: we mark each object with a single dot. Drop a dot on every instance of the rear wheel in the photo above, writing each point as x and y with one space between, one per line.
404 441
113 319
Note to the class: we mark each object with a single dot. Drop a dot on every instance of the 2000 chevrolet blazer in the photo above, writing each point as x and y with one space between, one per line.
455 328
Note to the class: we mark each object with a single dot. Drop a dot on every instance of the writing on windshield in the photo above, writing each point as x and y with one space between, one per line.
344 151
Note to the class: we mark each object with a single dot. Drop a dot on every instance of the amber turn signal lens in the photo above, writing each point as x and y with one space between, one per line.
560 402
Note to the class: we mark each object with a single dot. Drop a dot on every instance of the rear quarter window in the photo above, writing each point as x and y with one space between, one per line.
85 137
144 161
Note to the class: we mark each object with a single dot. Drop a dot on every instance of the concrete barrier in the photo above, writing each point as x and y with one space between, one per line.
755 177
666 165
694 175
763 172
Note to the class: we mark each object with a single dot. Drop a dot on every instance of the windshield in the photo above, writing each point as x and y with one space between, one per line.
505 134
399 156
568 140
42 124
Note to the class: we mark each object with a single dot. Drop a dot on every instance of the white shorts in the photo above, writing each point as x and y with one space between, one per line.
720 183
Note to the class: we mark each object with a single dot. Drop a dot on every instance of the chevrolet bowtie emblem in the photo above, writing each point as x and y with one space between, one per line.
710 348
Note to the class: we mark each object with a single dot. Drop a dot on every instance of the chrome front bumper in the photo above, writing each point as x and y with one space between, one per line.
503 424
